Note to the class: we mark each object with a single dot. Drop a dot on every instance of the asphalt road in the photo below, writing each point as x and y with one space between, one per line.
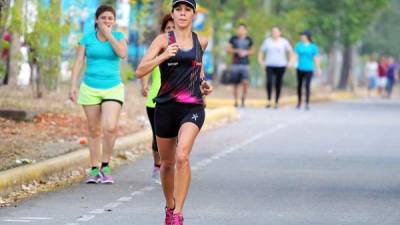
338 164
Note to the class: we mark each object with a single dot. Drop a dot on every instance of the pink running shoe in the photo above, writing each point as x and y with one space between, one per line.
168 216
177 219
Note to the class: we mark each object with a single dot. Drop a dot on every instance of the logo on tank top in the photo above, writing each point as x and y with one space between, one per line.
173 64
196 64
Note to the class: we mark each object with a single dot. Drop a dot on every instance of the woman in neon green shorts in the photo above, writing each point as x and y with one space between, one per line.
167 25
101 92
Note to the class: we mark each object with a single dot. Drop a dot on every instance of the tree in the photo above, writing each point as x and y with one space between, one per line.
354 18
45 42
382 37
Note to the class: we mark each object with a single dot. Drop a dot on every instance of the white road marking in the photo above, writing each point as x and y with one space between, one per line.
19 221
35 218
85 218
97 211
23 219
112 205
124 199
148 188
136 193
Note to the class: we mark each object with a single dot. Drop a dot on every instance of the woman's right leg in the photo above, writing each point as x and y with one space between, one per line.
156 155
308 77
167 149
300 77
93 115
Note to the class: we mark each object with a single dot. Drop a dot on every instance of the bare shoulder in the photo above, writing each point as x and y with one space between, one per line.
203 42
161 40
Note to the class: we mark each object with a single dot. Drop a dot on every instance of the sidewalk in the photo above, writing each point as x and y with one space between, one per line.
284 101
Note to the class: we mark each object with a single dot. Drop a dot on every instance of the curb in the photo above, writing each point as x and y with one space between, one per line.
289 100
12 180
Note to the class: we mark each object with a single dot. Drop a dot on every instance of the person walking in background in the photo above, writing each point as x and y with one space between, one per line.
273 57
391 76
167 25
241 47
180 112
308 63
371 73
101 93
382 75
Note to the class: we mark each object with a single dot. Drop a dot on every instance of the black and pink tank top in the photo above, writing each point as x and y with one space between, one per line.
180 75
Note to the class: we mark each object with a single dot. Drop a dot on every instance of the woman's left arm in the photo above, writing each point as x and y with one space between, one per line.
120 47
317 62
205 87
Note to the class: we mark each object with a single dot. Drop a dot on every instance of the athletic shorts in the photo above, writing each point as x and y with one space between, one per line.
94 96
382 81
150 114
170 116
239 73
371 82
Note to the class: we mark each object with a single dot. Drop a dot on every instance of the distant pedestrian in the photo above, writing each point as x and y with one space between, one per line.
308 64
241 47
371 73
273 57
391 76
382 75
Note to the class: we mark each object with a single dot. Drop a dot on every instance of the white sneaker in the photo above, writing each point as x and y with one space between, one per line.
156 176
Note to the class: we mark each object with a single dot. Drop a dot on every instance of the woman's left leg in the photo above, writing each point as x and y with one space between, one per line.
309 76
110 116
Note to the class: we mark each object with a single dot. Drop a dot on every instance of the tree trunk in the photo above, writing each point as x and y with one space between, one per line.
14 59
347 66
332 64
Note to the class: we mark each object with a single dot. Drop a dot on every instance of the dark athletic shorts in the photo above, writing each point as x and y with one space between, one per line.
170 116
239 73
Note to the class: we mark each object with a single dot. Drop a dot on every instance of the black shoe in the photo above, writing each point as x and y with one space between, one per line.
307 107
276 106
298 106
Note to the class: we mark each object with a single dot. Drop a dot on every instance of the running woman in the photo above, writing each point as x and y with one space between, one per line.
308 63
276 49
240 46
179 113
167 25
101 93
371 73
391 76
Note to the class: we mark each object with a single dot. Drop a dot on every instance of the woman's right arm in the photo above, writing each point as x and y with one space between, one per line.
76 69
261 57
145 85
152 58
